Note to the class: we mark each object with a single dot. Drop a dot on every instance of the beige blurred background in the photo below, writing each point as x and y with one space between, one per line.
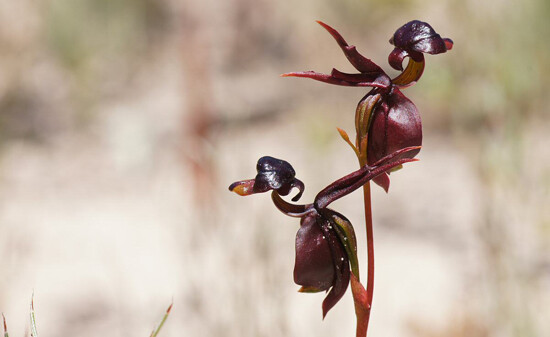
122 122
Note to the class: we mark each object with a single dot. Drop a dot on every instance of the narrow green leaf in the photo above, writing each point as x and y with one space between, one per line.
157 330
33 319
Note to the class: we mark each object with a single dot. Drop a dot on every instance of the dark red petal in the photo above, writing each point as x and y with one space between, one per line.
354 80
383 181
341 266
289 209
395 125
396 57
354 180
314 263
363 79
360 62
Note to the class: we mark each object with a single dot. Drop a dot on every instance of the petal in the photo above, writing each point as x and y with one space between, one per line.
289 209
348 80
383 181
354 180
314 266
341 266
411 74
346 233
395 125
396 57
360 62
243 187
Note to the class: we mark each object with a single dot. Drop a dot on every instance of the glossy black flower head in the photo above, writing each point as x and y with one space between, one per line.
414 38
273 174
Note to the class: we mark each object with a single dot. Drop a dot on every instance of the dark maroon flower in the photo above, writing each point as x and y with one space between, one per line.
322 262
326 247
386 120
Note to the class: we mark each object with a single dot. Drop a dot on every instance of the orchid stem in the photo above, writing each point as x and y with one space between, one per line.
370 252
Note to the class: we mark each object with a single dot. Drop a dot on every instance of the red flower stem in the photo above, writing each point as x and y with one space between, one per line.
370 251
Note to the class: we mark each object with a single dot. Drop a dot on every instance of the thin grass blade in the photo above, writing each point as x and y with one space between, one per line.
157 330
5 326
33 319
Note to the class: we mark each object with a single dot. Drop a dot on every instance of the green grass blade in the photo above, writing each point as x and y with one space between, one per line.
155 332
33 320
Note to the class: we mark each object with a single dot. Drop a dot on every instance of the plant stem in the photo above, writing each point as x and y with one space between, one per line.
370 250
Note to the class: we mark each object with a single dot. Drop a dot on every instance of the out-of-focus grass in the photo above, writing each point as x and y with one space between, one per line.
34 332
5 326
157 330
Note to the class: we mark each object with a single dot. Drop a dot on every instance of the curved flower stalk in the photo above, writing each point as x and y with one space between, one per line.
326 247
388 134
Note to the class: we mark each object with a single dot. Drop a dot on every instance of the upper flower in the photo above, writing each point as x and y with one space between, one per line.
411 40
386 120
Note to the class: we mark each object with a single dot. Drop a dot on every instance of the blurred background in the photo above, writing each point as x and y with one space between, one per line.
122 122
